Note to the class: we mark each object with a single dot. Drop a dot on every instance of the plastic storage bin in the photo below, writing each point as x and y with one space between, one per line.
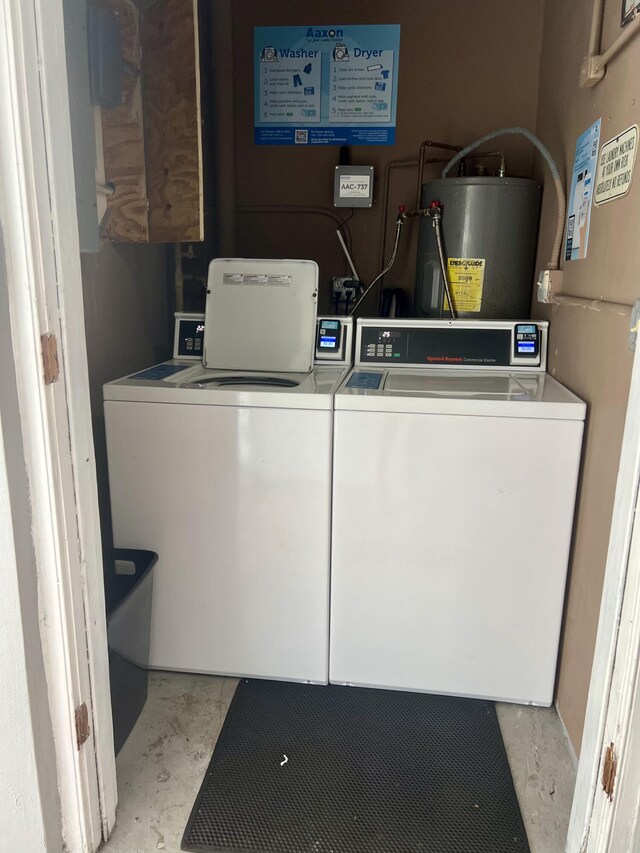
128 589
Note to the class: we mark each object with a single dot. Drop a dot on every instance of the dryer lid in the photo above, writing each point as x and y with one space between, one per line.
261 315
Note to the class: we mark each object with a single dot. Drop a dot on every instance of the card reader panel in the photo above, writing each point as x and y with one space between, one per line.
334 340
329 336
526 344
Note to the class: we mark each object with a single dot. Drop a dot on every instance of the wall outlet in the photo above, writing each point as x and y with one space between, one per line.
549 285
345 288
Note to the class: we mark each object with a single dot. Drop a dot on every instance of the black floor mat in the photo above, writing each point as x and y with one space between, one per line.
367 771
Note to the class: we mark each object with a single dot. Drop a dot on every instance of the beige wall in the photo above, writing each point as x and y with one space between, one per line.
465 68
588 348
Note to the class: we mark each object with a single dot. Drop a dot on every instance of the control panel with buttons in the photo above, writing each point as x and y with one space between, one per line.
188 337
458 343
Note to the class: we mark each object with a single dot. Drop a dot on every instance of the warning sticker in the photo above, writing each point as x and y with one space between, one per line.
466 279
261 279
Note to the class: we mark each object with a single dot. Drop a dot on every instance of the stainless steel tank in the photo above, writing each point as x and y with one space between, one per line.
490 228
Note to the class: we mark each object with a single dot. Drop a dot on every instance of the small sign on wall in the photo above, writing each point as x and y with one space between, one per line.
615 166
630 9
353 186
581 194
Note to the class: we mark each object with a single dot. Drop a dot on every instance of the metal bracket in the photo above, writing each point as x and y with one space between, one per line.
591 72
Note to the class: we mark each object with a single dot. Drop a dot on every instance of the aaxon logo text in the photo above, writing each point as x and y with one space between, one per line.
324 34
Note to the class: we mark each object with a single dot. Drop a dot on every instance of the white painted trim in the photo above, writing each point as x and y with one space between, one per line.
23 819
45 293
78 411
614 648
613 823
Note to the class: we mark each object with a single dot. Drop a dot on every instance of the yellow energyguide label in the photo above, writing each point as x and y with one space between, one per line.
466 279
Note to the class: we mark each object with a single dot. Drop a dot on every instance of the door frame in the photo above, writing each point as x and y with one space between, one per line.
38 213
598 823
45 291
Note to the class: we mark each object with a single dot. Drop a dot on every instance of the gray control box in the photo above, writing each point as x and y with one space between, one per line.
353 186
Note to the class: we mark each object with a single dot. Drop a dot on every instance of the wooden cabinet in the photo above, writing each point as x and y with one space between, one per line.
152 143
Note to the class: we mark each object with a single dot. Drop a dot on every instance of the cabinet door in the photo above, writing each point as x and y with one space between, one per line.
123 140
153 142
173 136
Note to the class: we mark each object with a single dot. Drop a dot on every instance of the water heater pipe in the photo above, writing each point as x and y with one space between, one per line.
392 260
436 213
428 143
392 164
554 260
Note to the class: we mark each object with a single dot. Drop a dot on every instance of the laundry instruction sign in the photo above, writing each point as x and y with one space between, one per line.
326 85
615 166
581 194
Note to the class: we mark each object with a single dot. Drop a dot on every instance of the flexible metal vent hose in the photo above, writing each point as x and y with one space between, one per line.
437 223
554 261
392 260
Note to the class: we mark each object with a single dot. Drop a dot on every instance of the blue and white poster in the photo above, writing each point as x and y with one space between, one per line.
581 194
326 85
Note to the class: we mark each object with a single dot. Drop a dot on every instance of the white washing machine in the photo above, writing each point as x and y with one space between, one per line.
226 474
456 462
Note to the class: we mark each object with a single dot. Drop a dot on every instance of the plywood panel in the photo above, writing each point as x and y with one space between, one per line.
172 121
123 134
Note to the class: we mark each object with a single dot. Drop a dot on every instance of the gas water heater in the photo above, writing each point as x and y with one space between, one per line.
489 229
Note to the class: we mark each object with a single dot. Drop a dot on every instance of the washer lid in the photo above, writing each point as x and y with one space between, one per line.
454 392
485 386
261 315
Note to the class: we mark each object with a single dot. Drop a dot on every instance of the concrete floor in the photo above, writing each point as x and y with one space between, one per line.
162 764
